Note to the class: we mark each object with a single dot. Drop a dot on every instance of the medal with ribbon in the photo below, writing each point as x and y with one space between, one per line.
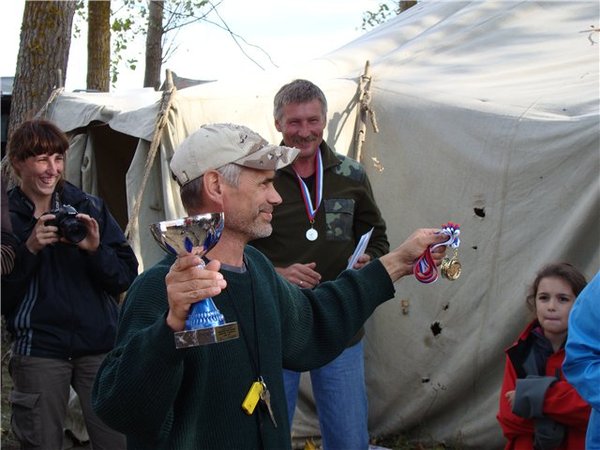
311 209
425 270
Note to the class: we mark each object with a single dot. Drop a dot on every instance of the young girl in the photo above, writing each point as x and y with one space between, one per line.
539 409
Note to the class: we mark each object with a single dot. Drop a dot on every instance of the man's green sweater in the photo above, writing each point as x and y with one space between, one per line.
165 398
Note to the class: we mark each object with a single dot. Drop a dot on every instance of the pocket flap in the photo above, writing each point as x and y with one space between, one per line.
339 205
24 399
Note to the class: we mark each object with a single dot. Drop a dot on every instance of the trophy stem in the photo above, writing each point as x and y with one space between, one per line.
205 325
204 314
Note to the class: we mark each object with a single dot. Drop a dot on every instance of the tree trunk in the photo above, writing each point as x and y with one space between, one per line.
98 46
154 44
43 57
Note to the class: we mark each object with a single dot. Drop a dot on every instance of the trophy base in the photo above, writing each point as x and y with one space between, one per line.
205 336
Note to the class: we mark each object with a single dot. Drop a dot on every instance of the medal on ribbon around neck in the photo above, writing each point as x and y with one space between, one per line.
425 270
311 211
311 233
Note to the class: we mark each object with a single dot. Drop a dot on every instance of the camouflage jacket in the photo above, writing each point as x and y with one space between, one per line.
347 211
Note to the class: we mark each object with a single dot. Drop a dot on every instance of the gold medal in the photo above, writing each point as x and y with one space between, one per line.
451 267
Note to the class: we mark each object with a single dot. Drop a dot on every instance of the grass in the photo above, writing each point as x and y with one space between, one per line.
397 442
403 442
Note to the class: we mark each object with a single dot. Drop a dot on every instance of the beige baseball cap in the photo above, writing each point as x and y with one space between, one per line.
214 145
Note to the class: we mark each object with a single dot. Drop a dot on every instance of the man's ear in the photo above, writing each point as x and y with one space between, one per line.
277 125
213 187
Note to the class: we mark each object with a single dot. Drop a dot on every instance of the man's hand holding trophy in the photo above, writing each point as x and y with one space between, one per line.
196 235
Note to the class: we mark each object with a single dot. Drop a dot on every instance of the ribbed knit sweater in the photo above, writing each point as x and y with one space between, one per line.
165 398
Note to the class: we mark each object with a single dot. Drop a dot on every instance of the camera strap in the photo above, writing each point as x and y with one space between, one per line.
55 201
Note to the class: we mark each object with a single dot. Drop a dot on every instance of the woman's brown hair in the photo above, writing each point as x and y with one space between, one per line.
36 137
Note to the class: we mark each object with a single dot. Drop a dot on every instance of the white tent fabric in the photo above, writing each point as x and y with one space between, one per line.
488 116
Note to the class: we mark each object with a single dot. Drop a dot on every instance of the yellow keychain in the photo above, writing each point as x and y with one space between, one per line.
252 397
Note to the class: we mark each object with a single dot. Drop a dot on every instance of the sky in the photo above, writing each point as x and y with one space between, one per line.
289 31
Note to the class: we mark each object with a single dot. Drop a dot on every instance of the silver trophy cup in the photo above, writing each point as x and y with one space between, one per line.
196 235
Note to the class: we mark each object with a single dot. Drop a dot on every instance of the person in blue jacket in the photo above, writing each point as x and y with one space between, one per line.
582 360
60 300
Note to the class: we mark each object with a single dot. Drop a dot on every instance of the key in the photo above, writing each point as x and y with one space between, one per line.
265 396
254 394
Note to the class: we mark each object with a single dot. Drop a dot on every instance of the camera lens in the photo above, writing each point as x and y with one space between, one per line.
73 230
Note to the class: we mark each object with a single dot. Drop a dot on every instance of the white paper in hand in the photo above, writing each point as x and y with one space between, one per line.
360 248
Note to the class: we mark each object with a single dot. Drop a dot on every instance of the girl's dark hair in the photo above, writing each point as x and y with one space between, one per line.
36 137
562 270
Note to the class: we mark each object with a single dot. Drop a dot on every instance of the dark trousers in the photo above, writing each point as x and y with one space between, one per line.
40 396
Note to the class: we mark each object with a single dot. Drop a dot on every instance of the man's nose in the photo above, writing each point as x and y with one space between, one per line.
274 197
304 129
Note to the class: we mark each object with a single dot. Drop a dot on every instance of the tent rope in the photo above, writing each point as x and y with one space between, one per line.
161 121
365 110
43 112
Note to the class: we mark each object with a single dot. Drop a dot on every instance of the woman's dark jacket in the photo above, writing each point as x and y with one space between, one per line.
62 302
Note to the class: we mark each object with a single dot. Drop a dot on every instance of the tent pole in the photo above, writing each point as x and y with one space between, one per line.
161 121
364 105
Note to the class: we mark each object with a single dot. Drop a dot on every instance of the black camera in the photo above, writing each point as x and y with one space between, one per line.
69 226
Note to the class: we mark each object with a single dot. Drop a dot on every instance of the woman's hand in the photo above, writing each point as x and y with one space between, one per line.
42 234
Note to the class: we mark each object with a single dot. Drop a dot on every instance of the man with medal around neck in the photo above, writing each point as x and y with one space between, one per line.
328 204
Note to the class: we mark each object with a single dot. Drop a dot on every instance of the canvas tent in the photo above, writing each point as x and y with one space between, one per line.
487 115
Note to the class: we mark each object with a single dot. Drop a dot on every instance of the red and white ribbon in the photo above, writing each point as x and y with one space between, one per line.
311 209
424 268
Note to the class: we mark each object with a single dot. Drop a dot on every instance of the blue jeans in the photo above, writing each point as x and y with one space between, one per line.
341 397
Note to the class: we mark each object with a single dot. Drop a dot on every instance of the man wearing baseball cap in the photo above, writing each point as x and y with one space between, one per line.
167 398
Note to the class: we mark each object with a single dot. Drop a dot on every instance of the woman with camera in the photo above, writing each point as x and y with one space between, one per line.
60 301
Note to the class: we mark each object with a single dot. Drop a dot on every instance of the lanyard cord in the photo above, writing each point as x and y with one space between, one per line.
254 361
